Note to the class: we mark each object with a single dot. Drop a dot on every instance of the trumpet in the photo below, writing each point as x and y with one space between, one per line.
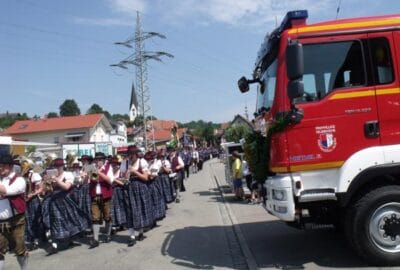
94 175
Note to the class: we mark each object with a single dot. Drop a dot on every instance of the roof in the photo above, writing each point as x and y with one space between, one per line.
238 119
163 124
159 135
59 123
346 24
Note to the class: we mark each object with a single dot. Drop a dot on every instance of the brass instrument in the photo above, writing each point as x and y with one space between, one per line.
47 182
94 175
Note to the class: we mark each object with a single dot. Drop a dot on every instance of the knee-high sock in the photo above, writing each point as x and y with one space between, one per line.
96 231
23 262
1 264
108 228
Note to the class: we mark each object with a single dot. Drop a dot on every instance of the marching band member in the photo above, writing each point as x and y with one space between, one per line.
139 197
61 215
120 197
80 192
155 188
165 170
12 212
177 166
100 190
34 226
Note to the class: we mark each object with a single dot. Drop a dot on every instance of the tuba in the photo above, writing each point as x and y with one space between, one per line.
26 165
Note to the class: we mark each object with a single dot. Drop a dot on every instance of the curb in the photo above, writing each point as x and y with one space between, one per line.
251 262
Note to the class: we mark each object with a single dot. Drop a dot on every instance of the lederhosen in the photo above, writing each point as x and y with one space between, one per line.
141 204
101 203
62 216
12 230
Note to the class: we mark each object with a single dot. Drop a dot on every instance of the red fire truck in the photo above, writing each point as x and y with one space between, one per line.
334 89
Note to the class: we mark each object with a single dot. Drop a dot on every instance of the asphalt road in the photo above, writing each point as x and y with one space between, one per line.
209 231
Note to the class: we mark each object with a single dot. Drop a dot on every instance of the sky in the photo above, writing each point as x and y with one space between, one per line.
52 50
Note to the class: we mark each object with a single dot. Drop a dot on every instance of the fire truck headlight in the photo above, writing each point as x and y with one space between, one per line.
279 195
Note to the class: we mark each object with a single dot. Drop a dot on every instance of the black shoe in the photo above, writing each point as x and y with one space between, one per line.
93 244
131 242
141 237
108 239
51 250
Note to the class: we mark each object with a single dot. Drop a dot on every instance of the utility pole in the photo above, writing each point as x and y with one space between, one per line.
139 60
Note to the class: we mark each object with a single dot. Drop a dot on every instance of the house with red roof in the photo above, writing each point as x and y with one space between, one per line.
91 128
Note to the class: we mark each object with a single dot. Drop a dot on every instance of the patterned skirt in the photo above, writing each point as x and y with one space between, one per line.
120 206
141 205
159 205
62 216
167 189
81 196
34 226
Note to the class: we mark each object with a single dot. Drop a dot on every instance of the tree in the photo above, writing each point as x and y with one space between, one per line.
52 115
95 108
236 133
9 119
69 108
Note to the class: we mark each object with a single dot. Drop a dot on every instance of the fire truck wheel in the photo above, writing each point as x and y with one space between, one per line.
373 227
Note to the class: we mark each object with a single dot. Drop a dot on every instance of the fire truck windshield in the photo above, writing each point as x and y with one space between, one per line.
266 90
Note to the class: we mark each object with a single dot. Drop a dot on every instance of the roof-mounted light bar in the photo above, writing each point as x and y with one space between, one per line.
290 17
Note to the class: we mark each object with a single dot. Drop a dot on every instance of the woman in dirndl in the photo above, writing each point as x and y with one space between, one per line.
159 205
120 197
80 192
62 217
141 204
166 184
34 226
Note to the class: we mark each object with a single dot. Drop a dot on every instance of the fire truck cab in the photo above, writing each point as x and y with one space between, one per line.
337 159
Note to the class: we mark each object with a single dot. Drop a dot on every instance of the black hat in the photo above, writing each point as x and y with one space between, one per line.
99 155
7 159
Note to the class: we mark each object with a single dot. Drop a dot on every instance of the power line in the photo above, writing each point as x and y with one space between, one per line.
40 30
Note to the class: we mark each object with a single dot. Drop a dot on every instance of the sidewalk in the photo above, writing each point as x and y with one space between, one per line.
196 234
274 245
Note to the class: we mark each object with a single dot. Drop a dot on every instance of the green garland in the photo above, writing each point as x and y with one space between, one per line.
257 148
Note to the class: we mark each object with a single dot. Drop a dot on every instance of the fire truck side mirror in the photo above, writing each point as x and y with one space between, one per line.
294 60
243 85
295 89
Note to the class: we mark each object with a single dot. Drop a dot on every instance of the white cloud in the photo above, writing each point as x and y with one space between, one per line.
128 7
239 13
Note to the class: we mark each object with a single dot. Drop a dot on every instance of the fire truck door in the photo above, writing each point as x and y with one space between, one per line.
340 109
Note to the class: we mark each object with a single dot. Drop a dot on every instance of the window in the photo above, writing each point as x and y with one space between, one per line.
381 60
329 66
266 91
57 140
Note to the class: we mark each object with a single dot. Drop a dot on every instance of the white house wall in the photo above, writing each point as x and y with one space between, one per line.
52 137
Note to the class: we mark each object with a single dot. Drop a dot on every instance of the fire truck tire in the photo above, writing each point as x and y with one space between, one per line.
373 226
